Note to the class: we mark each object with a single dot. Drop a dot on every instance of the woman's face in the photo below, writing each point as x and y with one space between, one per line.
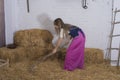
56 26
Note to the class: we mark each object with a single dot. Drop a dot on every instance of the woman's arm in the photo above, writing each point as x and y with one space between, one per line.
59 41
54 50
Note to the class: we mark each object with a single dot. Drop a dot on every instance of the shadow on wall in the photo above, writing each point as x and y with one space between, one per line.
46 22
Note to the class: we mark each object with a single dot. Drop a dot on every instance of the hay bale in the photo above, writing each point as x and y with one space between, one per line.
21 54
30 44
36 52
36 42
14 55
93 55
33 37
21 38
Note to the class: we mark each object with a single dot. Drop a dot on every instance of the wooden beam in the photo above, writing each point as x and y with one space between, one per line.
28 7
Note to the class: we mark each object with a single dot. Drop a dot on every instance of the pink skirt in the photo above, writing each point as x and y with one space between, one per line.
75 53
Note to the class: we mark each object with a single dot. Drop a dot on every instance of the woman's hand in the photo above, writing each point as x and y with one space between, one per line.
50 54
54 51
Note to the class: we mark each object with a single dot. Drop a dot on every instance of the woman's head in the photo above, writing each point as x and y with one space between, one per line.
58 23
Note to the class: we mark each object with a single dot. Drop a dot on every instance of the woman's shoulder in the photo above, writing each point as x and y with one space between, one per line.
68 25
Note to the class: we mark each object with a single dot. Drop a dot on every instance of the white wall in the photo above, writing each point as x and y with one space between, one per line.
11 19
95 21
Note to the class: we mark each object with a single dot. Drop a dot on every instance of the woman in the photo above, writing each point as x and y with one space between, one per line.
75 52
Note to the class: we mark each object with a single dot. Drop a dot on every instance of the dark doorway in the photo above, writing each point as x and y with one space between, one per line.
2 24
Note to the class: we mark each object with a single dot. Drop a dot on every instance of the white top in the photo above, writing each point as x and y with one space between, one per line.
61 33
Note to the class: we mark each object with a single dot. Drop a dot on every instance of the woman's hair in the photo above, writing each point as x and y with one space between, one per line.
58 22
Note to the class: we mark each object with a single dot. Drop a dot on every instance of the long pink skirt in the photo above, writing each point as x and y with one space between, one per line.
75 54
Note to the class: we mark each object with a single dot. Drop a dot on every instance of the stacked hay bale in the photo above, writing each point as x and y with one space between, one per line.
92 55
34 43
33 38
13 55
37 42
30 44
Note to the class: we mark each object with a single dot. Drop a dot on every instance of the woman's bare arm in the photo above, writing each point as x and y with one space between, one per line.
59 41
